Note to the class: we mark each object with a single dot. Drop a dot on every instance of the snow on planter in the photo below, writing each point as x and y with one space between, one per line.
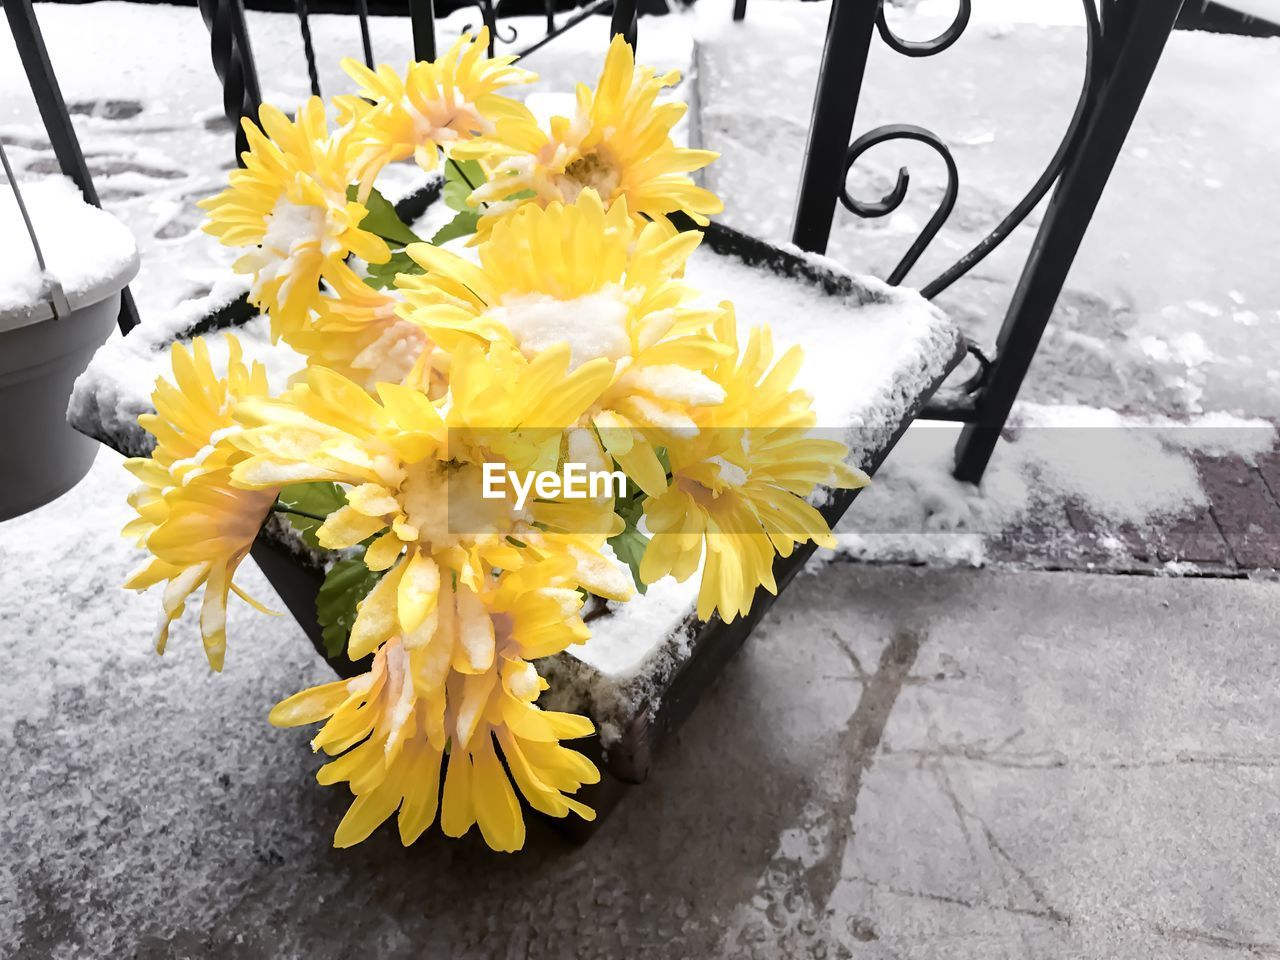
116 388
871 351
85 248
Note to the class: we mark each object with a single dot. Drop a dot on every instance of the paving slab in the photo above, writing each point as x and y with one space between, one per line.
902 763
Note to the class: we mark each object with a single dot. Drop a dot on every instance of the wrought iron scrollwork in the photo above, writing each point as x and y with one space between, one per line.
980 376
583 13
1039 189
959 402
490 19
1093 34
926 48
892 200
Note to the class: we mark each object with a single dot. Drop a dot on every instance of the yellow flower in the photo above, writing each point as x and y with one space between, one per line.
618 144
289 203
357 334
434 105
466 687
196 525
594 282
738 485
418 491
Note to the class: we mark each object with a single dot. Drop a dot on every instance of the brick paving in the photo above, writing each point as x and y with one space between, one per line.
1236 534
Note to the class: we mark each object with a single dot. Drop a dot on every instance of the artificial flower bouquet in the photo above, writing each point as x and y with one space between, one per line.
461 398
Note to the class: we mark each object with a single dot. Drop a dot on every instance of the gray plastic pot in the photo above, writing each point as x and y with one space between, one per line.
41 457
42 348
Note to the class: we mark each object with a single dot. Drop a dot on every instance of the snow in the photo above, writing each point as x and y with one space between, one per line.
109 396
89 252
294 232
593 325
1122 469
867 357
1160 239
623 640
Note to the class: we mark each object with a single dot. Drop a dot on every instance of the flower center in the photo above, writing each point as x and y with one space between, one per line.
444 503
593 325
593 171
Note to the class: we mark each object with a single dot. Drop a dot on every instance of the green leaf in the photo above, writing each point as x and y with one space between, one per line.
463 225
382 276
316 499
383 220
664 458
345 585
460 178
629 546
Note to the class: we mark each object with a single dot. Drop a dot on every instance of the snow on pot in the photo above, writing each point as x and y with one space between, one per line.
52 319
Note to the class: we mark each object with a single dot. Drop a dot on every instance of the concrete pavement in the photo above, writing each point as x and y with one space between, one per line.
902 763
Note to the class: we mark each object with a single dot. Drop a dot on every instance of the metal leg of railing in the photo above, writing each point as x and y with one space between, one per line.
624 19
422 19
844 61
1134 33
362 9
490 18
739 9
57 120
233 62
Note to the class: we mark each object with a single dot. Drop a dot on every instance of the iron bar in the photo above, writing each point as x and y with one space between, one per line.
422 21
549 9
309 50
893 200
233 62
739 9
597 6
362 8
490 20
844 62
57 120
1132 49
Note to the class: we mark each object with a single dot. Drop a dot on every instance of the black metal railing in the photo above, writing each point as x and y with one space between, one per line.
1123 44
57 120
234 63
